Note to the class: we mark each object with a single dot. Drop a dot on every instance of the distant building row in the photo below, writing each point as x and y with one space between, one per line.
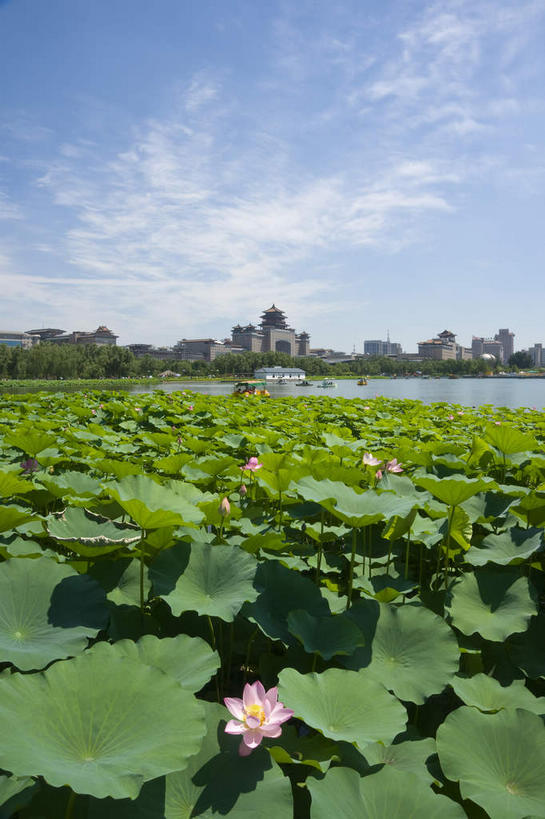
102 335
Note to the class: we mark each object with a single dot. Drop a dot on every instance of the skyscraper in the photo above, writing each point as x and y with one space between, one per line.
506 337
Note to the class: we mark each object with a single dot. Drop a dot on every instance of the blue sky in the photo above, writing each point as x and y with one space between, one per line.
171 168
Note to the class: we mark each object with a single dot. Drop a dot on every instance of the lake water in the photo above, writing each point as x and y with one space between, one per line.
469 392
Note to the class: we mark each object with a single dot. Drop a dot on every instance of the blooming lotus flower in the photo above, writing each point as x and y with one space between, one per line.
393 466
252 464
224 508
370 460
498 423
258 714
29 466
451 417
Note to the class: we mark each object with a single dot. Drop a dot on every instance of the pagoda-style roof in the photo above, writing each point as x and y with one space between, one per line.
447 334
274 317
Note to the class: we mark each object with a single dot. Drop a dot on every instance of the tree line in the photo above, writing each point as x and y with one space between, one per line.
70 361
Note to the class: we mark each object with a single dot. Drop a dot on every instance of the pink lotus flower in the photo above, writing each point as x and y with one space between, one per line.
378 474
367 408
252 464
242 491
451 417
498 423
370 460
190 407
258 714
224 508
460 412
393 466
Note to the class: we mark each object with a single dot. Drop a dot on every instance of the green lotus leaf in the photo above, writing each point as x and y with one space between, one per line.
486 694
189 660
527 650
213 580
453 490
152 505
48 612
498 759
282 590
327 636
487 506
510 440
531 509
388 793
89 534
217 781
410 650
11 484
10 787
71 484
13 516
514 544
409 756
342 704
492 603
30 441
92 723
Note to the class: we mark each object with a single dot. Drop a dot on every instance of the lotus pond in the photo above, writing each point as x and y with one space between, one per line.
377 566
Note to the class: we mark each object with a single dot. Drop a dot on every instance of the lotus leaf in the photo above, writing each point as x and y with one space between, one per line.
454 490
342 704
213 580
515 544
492 603
48 612
91 723
388 793
152 505
487 694
499 760
327 636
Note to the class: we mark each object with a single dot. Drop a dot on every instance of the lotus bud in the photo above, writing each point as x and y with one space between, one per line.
242 491
224 508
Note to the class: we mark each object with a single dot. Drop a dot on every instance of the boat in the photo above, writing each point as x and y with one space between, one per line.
327 383
362 382
247 388
304 383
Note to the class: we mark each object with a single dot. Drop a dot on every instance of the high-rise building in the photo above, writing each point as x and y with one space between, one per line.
490 346
507 340
381 348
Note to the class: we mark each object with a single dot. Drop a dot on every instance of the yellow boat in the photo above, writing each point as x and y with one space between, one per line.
362 382
247 388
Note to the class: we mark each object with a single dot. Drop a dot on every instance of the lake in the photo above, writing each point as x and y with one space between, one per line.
469 392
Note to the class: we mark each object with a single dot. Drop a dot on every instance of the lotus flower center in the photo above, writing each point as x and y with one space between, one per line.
255 711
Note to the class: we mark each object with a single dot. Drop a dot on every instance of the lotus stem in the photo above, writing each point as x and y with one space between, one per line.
142 564
70 805
351 570
407 550
320 550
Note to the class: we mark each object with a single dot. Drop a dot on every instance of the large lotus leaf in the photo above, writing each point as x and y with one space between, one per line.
13 516
492 603
10 787
282 590
47 612
409 756
414 653
486 694
213 580
327 636
89 534
453 490
347 705
30 441
510 440
189 660
152 505
487 506
532 509
514 544
72 485
354 508
102 726
217 781
499 760
387 794
11 484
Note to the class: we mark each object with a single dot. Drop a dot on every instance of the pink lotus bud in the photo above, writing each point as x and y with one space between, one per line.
224 508
378 474
190 407
451 417
242 491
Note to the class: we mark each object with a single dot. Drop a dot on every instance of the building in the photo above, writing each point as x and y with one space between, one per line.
441 348
273 335
102 336
536 354
487 346
507 340
19 339
381 348
202 349
279 373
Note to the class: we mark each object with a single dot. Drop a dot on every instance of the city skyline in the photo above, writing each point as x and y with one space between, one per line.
171 166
